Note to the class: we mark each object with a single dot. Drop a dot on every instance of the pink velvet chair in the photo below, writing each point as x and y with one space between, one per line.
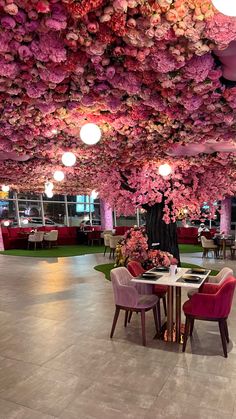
128 299
136 269
215 305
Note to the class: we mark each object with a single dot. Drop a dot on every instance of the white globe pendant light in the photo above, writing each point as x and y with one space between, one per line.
58 175
165 169
90 134
5 188
227 7
94 194
49 194
68 159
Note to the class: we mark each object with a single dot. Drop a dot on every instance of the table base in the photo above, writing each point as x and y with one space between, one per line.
175 338
164 333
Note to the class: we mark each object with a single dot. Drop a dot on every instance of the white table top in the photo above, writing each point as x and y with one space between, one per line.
167 279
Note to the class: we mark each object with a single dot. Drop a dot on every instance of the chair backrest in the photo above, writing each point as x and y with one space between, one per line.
113 241
92 235
107 239
224 297
135 268
52 235
37 236
221 276
125 293
105 232
206 242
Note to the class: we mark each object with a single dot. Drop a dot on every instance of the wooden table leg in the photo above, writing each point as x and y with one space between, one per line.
170 314
178 313
224 249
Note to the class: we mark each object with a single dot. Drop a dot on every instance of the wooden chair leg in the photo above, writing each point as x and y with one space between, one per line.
126 318
186 330
164 305
223 337
105 251
226 331
191 326
159 312
130 315
156 320
143 327
110 254
116 315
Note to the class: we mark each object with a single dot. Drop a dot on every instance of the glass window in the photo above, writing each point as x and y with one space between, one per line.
75 217
54 213
28 196
126 221
8 213
82 203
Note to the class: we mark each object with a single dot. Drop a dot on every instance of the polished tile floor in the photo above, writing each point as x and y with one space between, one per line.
57 361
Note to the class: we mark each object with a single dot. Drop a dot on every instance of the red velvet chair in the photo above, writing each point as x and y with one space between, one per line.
136 269
94 236
213 306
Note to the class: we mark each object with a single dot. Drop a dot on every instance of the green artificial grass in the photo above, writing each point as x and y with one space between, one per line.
56 252
190 248
107 267
77 250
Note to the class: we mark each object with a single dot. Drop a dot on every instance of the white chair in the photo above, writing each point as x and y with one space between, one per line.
51 237
208 245
35 238
105 232
217 279
106 238
113 241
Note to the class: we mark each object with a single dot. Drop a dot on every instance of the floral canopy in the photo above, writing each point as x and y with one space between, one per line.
147 72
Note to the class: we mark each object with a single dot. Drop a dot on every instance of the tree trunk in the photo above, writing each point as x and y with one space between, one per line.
160 232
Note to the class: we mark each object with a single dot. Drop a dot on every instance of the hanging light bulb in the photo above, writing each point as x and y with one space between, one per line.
68 159
49 186
58 175
49 194
5 188
227 7
164 169
90 134
94 194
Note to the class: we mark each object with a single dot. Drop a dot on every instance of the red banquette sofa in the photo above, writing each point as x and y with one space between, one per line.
189 235
15 237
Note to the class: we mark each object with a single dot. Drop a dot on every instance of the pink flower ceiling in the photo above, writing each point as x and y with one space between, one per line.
144 72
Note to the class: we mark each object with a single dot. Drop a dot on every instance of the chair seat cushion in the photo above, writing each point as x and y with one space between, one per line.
160 289
147 301
210 246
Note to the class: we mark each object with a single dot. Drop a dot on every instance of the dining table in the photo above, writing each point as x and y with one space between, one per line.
175 283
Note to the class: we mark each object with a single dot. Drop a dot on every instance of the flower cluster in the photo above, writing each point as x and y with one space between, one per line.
144 72
160 258
134 245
